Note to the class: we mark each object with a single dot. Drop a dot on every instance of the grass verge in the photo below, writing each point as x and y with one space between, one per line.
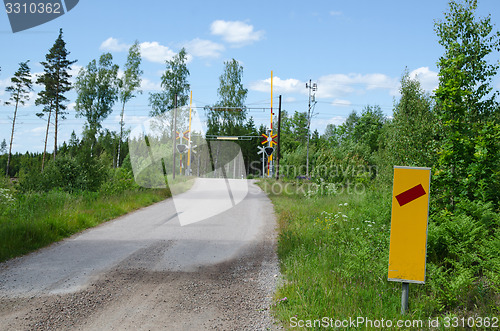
334 252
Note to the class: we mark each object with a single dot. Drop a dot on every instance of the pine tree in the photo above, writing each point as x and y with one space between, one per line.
19 94
56 82
3 147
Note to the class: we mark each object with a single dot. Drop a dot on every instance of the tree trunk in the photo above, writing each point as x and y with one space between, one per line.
56 116
12 136
46 137
121 136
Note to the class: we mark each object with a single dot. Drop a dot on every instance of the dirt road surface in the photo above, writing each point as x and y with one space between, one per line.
144 271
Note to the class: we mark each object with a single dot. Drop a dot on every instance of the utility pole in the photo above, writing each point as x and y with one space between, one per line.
312 87
279 146
174 134
189 136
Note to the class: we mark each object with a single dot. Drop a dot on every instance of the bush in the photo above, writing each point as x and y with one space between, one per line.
65 173
120 180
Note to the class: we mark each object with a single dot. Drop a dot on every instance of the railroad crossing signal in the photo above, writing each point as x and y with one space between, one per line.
269 150
261 149
186 135
177 134
181 148
269 139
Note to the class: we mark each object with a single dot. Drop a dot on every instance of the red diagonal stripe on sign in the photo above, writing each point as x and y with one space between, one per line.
410 195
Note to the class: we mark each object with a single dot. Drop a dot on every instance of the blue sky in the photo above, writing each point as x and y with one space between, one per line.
356 51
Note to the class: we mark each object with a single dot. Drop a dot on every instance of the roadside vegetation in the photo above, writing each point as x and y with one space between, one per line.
334 227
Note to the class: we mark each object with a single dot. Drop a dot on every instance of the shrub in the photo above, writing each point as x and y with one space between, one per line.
66 173
120 180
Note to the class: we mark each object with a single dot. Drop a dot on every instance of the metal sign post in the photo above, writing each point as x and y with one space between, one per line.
189 137
262 151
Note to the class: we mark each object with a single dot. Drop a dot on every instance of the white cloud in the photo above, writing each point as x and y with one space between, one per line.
204 48
336 120
427 78
335 13
336 86
283 86
321 124
236 33
341 85
75 69
113 45
154 52
147 85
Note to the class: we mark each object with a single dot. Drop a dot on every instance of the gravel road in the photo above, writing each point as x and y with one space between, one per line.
144 271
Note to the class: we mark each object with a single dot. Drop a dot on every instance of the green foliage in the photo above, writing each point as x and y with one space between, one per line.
119 181
466 106
348 155
97 88
19 94
293 131
343 164
131 79
230 121
463 256
55 80
3 147
410 136
334 251
21 85
65 173
129 83
174 82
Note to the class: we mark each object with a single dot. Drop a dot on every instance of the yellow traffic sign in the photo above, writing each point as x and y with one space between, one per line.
410 212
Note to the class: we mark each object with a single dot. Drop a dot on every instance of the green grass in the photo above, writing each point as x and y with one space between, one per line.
334 258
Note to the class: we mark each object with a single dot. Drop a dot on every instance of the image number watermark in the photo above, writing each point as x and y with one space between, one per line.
26 14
